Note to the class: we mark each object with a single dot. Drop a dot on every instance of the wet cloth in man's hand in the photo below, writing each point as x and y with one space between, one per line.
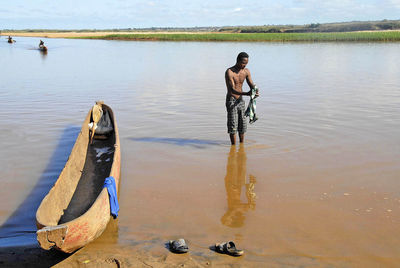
251 108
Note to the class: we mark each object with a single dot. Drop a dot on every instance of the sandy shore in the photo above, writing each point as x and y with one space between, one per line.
81 34
101 257
88 34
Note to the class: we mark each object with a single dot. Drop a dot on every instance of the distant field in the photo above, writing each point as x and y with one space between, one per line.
383 36
365 36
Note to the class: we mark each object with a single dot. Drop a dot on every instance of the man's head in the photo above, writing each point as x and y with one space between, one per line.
242 60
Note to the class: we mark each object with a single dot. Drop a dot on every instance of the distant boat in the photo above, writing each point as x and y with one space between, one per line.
11 41
77 209
43 48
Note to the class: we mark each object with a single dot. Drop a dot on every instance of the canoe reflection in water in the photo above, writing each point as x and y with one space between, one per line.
235 179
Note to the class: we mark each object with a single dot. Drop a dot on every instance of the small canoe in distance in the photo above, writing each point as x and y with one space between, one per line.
43 48
77 209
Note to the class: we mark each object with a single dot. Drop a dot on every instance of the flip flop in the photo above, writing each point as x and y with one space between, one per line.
228 248
178 246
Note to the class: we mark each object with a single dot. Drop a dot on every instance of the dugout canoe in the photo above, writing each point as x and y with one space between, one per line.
77 209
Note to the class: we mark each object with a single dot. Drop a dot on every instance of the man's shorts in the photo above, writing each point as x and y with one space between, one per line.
236 119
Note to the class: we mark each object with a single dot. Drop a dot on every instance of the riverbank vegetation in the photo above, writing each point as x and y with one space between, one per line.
383 25
259 37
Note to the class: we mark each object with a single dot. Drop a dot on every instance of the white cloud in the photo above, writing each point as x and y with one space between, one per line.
395 3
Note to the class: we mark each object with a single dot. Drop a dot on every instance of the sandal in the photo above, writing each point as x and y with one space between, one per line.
228 248
178 246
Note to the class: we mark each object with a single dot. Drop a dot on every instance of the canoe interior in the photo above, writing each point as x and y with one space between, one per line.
97 167
82 178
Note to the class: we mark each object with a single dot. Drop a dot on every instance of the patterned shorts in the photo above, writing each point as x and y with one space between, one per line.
236 119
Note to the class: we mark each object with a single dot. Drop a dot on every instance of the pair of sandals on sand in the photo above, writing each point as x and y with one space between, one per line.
229 248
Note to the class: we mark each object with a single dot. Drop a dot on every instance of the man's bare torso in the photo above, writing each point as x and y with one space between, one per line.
236 76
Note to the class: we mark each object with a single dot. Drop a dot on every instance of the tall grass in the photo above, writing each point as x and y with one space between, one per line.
389 36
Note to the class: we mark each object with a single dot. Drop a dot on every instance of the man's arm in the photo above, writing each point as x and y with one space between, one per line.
250 83
230 84
249 80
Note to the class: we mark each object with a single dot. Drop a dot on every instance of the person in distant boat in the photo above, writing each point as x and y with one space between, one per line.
10 39
235 106
41 43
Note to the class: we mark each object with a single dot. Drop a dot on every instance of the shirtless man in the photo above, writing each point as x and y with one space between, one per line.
235 106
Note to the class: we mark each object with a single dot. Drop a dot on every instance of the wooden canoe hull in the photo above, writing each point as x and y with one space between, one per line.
72 235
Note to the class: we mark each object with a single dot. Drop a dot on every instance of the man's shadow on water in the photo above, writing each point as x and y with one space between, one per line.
18 244
236 179
196 143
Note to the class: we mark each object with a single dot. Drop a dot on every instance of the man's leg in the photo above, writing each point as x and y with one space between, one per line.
241 137
242 124
233 138
232 120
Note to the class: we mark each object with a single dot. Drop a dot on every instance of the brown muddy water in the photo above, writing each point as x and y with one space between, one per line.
316 183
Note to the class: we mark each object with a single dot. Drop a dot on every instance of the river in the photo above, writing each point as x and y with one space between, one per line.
316 182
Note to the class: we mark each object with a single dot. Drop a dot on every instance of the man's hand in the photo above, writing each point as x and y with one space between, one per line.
249 93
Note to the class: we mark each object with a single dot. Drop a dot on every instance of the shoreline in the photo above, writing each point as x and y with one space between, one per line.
359 36
74 34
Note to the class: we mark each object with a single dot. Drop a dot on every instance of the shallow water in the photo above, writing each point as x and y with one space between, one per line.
316 182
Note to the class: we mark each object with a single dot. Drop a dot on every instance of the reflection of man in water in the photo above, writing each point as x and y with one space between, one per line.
235 179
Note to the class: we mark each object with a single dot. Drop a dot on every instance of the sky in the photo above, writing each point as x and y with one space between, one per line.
109 14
